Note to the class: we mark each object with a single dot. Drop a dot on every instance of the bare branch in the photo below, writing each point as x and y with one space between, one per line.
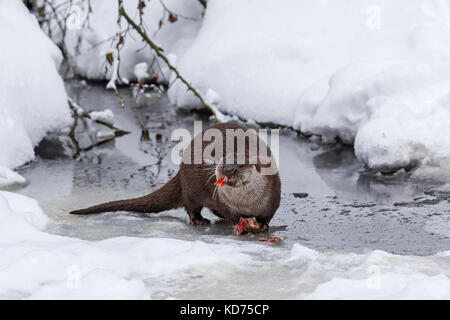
78 112
159 52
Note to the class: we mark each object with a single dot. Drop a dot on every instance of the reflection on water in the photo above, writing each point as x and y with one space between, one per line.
347 208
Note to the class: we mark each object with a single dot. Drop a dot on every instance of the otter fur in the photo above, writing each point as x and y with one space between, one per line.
246 192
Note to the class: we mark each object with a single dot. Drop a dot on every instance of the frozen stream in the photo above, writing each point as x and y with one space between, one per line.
339 215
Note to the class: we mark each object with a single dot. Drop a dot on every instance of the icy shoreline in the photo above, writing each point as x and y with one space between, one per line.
38 265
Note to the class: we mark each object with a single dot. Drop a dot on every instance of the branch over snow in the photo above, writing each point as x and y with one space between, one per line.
159 52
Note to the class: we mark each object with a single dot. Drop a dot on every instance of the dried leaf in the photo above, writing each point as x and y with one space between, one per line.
141 5
154 77
110 58
172 17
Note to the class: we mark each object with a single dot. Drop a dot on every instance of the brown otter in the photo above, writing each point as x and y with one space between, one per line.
243 191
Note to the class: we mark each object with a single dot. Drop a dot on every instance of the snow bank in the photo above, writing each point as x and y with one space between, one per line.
9 177
32 96
38 265
395 286
373 73
374 275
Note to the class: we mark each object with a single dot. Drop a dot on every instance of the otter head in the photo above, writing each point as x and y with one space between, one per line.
243 187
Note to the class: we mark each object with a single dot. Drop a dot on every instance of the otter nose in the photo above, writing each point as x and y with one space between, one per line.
228 170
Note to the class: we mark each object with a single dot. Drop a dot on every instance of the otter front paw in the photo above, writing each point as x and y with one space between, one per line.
200 222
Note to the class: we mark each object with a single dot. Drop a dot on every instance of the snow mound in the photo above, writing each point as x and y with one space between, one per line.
9 177
372 73
388 286
20 218
374 275
106 115
32 96
38 265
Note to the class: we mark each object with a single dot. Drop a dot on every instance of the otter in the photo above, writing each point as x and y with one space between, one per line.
240 189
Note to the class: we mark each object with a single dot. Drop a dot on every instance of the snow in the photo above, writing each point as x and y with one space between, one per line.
9 177
39 265
141 71
32 96
106 115
395 286
376 76
91 39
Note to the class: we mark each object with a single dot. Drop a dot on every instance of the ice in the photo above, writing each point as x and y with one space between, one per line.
38 265
33 100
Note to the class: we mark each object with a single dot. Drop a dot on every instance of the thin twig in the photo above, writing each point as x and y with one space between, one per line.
159 52
77 112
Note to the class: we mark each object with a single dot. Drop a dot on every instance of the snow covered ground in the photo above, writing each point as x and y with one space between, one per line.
32 96
38 265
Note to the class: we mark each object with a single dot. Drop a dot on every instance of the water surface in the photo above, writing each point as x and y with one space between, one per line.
330 202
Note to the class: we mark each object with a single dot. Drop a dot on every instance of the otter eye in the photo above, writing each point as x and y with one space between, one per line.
241 165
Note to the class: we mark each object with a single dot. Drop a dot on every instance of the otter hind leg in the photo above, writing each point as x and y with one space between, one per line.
195 217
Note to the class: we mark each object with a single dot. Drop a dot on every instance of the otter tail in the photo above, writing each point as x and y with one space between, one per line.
166 198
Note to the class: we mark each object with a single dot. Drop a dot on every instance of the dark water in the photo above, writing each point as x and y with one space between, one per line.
330 202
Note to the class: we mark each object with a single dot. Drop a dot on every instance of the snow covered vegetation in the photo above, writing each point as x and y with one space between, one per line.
33 100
